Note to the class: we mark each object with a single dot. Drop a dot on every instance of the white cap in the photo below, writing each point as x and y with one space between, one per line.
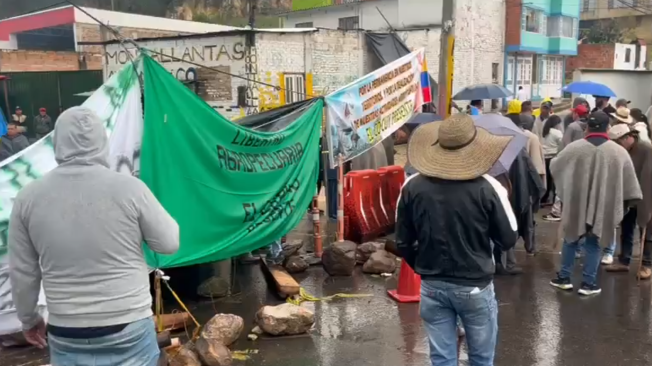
619 130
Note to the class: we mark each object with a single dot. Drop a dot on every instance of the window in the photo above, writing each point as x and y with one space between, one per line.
628 54
494 73
295 88
588 5
533 20
562 26
622 4
567 27
303 25
554 26
349 23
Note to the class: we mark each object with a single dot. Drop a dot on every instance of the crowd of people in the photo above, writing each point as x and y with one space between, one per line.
22 132
457 226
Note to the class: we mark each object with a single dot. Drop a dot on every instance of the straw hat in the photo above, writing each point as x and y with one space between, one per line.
454 149
622 115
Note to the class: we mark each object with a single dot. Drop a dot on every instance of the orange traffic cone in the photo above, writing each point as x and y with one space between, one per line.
409 285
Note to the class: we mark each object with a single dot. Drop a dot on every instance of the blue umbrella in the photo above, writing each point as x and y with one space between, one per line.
483 91
590 88
422 118
500 125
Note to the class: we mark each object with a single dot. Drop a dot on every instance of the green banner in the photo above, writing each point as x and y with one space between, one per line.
231 189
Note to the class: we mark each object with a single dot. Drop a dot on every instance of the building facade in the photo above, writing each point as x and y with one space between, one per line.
538 37
479 30
633 18
614 56
50 40
363 14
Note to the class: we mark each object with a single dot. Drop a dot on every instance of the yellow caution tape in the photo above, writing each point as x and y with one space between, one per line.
244 354
304 296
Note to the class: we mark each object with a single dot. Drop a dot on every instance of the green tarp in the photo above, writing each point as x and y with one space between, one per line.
231 189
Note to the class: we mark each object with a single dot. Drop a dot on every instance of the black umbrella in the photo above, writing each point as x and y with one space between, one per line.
483 91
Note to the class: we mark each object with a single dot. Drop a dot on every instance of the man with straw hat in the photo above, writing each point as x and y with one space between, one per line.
622 116
596 181
641 154
449 216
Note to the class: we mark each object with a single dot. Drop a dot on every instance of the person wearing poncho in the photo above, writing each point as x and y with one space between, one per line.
596 180
641 154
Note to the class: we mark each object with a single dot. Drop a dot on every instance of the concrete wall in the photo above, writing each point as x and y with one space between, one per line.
631 85
415 13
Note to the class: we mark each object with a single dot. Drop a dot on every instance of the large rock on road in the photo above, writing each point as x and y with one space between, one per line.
285 319
339 258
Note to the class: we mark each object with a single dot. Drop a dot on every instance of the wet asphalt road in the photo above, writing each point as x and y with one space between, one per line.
538 324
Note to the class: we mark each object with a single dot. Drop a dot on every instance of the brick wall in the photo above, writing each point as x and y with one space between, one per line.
336 58
591 56
514 9
21 60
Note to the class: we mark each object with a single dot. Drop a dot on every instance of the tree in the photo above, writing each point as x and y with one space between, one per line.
602 32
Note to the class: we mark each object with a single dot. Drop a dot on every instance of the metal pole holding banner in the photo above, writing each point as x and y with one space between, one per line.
316 226
446 59
340 199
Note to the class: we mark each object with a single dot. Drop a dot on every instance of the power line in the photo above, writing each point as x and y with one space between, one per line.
122 40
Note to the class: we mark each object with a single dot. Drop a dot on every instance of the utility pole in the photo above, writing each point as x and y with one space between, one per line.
446 66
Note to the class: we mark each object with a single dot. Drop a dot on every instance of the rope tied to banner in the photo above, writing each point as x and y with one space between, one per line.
304 296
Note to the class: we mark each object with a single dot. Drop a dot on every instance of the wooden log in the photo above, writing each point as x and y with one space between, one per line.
280 279
174 321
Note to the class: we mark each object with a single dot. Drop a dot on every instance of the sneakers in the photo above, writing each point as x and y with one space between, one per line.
587 289
552 218
645 273
607 259
562 283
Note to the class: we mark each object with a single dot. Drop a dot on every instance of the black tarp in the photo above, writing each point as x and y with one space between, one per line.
278 118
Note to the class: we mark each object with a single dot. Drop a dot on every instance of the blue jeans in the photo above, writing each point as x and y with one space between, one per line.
442 303
611 249
135 345
591 246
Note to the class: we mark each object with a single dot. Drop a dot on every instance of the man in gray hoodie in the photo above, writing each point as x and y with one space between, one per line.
79 230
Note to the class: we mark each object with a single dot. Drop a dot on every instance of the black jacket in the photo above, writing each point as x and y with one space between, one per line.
444 228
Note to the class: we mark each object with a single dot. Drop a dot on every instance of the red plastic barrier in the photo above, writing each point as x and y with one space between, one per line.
392 180
358 205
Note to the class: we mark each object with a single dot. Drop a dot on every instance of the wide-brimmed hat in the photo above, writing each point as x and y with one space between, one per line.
620 130
622 115
454 149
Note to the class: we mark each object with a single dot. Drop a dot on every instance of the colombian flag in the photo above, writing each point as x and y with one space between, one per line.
425 82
